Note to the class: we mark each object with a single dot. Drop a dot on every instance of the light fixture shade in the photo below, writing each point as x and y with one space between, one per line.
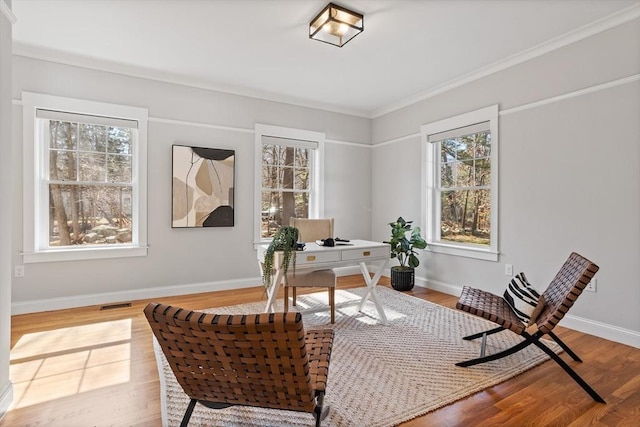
336 25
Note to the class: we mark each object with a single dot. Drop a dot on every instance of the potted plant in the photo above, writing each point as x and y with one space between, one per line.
285 240
403 248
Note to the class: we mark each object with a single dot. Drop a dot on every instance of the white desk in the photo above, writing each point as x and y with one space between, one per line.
319 257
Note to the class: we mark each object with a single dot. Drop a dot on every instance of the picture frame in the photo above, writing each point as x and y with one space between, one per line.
202 187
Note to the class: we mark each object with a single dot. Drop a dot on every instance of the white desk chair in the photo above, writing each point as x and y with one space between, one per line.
311 230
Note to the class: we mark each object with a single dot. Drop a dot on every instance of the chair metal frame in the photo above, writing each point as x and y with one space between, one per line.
561 294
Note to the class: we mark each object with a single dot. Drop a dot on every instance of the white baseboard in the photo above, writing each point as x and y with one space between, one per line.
59 303
599 329
587 326
6 397
602 330
436 285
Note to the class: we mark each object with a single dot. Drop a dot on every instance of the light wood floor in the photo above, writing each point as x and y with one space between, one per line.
87 367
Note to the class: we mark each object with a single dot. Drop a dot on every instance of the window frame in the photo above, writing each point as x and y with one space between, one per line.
35 190
431 213
316 186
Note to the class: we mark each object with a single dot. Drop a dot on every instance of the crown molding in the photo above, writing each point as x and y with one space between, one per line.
57 56
6 11
625 15
611 21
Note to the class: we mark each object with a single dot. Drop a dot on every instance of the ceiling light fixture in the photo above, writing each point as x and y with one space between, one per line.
336 25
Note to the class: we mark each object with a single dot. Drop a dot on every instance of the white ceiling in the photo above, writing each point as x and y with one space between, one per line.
261 48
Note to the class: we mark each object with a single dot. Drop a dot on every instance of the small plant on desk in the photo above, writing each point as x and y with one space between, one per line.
285 240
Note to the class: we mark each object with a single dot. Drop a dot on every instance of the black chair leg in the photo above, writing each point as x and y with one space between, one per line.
499 355
484 338
479 334
586 387
564 347
321 410
535 339
188 412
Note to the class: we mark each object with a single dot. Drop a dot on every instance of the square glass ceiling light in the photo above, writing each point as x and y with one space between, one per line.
336 25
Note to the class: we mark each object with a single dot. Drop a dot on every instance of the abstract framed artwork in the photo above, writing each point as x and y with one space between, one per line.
203 186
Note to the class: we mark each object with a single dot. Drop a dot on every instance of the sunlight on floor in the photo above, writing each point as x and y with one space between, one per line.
63 362
347 304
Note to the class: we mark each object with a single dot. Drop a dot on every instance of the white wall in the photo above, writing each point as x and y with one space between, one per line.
185 260
566 168
569 175
6 189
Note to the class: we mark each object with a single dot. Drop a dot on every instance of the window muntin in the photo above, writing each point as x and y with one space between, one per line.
465 189
84 179
460 184
289 171
89 183
286 184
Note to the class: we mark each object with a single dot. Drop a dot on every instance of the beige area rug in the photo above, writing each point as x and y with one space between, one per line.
379 375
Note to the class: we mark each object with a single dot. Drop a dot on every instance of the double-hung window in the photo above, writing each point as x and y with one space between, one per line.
85 179
288 177
461 192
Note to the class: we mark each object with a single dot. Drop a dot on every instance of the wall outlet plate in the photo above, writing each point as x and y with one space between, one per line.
19 271
508 270
591 287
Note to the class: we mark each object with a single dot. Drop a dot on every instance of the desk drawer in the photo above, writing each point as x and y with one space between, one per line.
316 257
366 253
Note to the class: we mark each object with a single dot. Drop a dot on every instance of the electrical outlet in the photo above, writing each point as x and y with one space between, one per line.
508 270
19 271
591 287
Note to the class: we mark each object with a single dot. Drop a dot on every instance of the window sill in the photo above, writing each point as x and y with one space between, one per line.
53 255
468 252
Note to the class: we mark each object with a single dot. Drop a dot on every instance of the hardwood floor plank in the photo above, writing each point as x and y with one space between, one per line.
91 367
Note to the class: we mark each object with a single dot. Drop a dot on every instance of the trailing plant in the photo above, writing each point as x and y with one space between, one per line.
285 240
402 247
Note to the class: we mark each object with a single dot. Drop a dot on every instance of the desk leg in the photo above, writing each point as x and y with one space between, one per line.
371 289
273 292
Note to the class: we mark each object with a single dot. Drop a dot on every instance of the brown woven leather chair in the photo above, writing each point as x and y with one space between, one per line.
265 360
561 294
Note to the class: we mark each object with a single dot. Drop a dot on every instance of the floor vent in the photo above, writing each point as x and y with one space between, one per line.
112 306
